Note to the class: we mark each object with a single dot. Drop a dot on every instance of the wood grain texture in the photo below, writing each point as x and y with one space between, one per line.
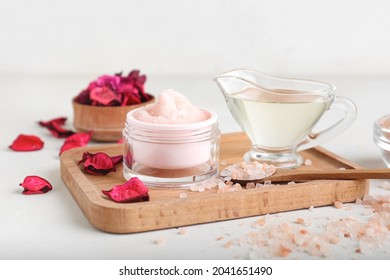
166 209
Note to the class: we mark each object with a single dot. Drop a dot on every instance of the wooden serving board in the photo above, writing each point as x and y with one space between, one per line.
166 209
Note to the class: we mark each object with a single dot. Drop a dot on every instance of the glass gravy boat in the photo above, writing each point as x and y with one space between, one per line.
278 114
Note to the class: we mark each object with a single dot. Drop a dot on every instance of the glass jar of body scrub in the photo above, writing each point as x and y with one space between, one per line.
171 155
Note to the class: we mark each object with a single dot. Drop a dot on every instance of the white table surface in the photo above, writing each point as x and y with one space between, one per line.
52 226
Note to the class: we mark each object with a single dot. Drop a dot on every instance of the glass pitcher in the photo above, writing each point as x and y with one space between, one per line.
278 114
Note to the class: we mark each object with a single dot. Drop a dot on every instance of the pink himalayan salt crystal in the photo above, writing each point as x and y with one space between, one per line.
248 171
229 187
385 185
278 239
223 162
261 221
348 208
334 240
171 107
300 221
160 241
219 238
242 170
308 162
182 231
205 185
338 204
284 251
228 244
183 195
303 231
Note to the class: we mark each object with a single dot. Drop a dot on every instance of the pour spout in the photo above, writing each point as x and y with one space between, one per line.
230 84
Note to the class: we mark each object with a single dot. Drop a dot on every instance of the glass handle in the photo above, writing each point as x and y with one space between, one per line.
349 108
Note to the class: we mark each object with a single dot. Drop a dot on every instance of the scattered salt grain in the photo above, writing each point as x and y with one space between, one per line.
308 162
284 251
261 221
300 221
160 241
385 185
182 231
183 195
219 238
303 231
342 168
194 188
228 244
338 205
311 208
267 183
348 208
334 240
291 183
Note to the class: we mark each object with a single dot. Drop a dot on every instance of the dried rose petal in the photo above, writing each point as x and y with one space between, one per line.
128 158
133 190
117 159
99 163
115 90
55 127
76 140
25 143
35 185
104 96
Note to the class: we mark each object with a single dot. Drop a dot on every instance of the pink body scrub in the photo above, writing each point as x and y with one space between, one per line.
171 108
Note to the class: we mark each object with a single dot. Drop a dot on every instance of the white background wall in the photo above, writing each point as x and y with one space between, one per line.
301 37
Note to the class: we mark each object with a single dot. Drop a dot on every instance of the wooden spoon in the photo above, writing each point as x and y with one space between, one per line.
307 175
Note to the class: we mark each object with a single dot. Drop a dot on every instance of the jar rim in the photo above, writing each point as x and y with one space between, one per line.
130 120
379 123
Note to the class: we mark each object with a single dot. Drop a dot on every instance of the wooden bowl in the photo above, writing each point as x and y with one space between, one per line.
106 123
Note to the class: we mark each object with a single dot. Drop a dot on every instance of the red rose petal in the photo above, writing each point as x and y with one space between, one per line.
25 143
104 96
133 190
117 159
99 163
56 129
76 140
128 158
35 185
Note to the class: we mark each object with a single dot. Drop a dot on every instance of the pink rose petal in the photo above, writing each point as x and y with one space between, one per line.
55 126
133 190
99 163
35 185
76 140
